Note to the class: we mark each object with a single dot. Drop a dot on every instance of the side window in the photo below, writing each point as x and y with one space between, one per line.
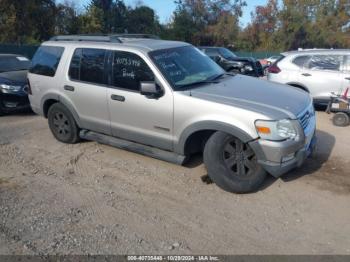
129 70
92 66
325 62
211 52
301 60
46 60
88 65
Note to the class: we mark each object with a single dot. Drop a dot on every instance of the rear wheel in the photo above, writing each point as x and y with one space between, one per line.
341 119
232 164
62 124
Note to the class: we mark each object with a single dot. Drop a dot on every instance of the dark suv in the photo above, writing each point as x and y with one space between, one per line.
13 83
232 63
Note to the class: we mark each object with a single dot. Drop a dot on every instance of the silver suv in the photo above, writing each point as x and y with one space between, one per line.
168 100
319 72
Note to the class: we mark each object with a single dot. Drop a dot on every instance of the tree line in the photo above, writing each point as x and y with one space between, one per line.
278 25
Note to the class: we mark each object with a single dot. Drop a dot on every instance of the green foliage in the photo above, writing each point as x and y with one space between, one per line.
298 24
206 22
143 19
278 25
26 21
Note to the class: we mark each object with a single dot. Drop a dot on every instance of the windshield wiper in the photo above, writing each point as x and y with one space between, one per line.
216 77
211 80
198 83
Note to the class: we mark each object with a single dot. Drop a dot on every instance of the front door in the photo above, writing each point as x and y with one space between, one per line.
136 117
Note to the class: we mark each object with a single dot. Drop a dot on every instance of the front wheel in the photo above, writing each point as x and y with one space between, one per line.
232 164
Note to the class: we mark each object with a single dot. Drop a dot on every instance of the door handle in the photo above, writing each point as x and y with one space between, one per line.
347 78
69 88
118 98
306 74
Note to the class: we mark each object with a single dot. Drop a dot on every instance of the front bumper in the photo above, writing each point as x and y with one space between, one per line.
13 102
279 157
297 158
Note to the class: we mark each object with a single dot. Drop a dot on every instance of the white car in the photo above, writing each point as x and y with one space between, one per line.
319 72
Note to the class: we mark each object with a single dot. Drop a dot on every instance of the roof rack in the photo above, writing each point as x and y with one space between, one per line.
114 38
92 38
136 36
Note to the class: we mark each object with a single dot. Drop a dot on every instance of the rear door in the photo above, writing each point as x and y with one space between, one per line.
322 76
86 88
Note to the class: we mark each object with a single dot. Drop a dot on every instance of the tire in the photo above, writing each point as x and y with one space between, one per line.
62 124
1 112
341 119
233 172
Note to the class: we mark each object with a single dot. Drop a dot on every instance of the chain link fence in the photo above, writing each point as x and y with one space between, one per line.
25 50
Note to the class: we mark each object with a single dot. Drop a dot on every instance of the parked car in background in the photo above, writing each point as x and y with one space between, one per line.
13 83
319 72
232 63
272 59
168 100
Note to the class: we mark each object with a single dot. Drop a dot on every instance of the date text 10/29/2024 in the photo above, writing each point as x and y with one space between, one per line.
172 258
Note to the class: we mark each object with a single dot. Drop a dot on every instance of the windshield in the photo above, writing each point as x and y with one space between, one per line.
13 63
226 53
185 66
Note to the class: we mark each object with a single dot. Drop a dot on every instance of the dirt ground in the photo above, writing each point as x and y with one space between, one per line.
94 199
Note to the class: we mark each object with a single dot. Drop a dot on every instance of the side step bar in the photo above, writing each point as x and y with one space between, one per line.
133 147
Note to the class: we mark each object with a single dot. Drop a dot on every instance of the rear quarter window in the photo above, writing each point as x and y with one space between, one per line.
46 60
301 60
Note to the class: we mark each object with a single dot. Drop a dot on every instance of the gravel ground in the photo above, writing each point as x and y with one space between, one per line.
94 199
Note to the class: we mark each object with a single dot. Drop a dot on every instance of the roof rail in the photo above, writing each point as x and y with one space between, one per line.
114 38
92 38
136 36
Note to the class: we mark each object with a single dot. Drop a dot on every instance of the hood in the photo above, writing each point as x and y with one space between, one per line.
276 101
15 76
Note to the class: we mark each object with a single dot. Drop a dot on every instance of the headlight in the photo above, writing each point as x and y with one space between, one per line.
11 88
248 68
277 130
236 63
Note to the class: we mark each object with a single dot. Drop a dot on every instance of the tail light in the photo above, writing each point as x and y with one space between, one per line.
28 88
274 69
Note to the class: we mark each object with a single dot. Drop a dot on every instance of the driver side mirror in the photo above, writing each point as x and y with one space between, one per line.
150 90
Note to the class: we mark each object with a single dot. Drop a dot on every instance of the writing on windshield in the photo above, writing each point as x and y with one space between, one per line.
184 66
